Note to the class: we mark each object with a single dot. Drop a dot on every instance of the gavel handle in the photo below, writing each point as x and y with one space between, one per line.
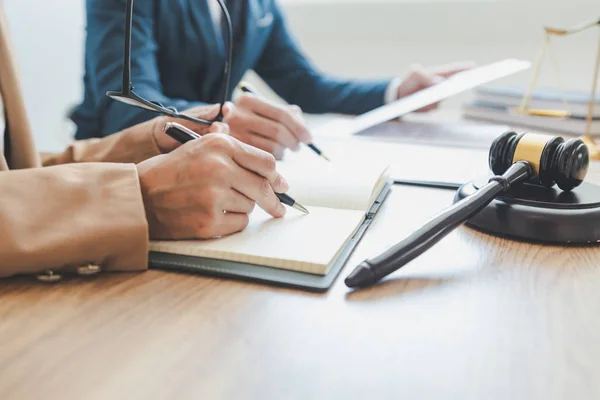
373 269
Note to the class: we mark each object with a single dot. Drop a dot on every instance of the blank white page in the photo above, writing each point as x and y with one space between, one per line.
334 184
307 243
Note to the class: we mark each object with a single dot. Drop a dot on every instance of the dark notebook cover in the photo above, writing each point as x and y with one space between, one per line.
268 275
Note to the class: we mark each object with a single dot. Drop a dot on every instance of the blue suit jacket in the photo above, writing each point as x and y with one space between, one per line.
178 59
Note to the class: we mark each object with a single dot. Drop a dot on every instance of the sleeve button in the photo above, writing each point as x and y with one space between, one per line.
49 276
88 270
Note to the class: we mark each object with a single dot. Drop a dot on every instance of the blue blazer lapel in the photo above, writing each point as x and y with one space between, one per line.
250 19
258 20
259 14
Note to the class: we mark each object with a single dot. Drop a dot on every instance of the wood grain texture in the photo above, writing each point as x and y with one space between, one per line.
476 317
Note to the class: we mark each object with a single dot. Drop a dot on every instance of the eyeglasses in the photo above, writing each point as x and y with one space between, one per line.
128 96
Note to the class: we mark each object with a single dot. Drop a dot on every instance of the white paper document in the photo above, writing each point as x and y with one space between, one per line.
454 85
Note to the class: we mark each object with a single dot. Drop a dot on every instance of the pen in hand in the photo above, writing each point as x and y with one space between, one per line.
184 135
244 87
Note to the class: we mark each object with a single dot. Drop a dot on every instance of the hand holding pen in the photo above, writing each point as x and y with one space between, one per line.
183 135
268 126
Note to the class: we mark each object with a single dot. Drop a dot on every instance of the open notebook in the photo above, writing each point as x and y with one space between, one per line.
341 198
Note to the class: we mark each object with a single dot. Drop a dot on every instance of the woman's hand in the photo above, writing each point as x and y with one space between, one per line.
207 188
166 144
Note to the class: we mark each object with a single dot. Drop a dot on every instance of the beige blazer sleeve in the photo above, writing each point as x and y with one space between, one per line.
67 216
132 145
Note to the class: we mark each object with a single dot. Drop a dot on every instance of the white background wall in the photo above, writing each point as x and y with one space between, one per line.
369 38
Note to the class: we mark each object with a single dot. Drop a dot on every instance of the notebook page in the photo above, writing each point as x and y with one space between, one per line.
335 184
299 242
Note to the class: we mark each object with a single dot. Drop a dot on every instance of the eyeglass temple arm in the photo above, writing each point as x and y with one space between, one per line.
227 68
127 85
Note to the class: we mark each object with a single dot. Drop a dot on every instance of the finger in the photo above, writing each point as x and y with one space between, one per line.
269 129
262 164
438 79
263 143
448 70
277 113
415 81
235 202
228 109
426 80
430 107
259 189
208 113
219 127
231 223
297 111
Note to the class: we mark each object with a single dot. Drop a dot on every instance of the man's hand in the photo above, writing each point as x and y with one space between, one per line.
167 144
266 125
207 187
420 78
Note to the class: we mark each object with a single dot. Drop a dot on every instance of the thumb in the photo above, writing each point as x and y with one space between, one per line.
223 127
228 109
219 127
205 112
438 79
423 79
297 112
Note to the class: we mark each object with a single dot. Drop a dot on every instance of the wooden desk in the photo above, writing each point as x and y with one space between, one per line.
477 317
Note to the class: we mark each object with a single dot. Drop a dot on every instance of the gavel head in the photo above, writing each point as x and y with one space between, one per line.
553 160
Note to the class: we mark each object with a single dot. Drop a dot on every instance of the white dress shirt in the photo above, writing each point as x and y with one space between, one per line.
216 13
391 94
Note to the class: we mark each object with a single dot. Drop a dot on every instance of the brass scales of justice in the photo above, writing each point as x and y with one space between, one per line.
524 109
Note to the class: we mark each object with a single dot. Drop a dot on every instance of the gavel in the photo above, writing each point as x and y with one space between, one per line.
514 159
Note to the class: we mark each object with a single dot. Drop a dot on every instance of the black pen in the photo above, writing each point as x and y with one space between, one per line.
244 87
184 135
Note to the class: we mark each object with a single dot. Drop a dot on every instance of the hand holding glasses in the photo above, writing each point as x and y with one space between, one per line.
128 96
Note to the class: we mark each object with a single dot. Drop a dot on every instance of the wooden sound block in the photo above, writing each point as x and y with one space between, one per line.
533 213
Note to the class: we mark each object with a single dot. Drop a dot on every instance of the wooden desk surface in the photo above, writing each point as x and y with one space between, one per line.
477 317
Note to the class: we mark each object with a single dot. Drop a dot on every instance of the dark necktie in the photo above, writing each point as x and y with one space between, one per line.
233 14
235 9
